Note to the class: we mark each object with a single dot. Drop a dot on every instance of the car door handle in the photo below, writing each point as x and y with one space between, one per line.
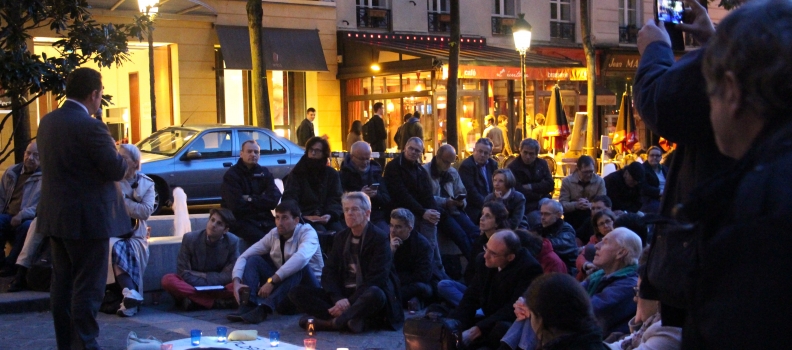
281 161
227 164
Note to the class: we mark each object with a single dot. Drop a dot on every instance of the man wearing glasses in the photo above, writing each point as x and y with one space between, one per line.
578 190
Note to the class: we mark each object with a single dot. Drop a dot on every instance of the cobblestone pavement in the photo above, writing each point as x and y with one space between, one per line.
34 330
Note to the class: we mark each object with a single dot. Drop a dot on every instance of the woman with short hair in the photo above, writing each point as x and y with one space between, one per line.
503 183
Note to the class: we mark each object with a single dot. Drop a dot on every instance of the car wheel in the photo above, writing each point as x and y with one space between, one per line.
161 195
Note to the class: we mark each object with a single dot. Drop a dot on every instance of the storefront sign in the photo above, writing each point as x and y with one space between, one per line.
513 73
622 62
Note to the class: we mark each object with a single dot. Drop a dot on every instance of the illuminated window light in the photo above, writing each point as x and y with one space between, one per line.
375 67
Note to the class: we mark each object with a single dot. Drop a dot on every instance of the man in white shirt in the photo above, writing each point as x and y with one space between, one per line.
287 256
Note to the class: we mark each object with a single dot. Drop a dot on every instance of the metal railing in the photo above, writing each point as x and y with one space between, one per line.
502 25
628 34
439 22
368 17
562 31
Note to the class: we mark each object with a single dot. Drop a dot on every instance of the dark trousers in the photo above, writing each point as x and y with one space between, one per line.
259 268
419 290
364 303
252 231
14 235
79 273
460 229
489 338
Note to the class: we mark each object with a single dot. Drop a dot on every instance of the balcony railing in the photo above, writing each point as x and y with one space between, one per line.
502 25
628 34
562 31
439 22
368 17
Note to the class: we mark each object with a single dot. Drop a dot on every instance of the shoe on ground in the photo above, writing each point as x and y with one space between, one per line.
326 325
225 304
127 312
414 305
304 321
237 315
356 325
257 315
131 298
17 285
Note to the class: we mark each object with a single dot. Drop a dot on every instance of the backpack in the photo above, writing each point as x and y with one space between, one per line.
367 131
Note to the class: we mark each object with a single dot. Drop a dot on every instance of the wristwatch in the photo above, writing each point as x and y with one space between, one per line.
270 281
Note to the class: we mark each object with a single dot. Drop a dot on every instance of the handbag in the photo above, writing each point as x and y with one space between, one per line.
430 333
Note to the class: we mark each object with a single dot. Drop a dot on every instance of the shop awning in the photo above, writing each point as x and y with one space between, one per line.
474 51
284 49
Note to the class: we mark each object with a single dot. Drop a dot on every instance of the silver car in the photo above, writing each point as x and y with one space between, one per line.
196 157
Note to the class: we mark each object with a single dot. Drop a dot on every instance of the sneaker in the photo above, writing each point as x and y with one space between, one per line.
131 298
127 312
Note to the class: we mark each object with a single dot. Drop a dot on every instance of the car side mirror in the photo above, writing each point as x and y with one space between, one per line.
192 155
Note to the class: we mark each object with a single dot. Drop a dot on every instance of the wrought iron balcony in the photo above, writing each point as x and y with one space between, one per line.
439 22
628 34
368 17
502 25
562 31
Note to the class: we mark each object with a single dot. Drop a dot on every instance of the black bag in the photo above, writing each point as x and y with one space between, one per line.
670 259
365 129
39 275
429 333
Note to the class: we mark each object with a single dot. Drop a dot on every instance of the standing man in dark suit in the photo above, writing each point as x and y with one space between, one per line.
476 173
374 133
306 129
81 207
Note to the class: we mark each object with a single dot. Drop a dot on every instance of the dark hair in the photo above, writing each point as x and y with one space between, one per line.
377 106
310 110
242 147
417 114
512 242
82 82
406 117
357 127
511 182
634 223
655 148
531 143
484 141
562 304
531 241
584 160
599 215
314 140
289 206
604 199
226 216
500 213
491 119
752 42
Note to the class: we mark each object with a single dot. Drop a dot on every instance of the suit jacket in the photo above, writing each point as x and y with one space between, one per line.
376 262
79 196
192 256
475 184
410 186
377 134
305 132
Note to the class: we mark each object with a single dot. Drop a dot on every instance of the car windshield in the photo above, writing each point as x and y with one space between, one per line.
167 141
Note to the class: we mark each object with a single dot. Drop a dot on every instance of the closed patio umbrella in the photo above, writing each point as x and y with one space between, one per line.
625 135
556 126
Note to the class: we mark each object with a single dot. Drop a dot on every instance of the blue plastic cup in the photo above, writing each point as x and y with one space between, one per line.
222 334
195 337
274 338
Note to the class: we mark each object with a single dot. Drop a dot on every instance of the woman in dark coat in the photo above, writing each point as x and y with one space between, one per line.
316 187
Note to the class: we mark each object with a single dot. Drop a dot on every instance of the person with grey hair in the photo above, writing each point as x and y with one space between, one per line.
476 173
359 173
503 183
534 179
410 187
411 255
20 191
560 233
359 290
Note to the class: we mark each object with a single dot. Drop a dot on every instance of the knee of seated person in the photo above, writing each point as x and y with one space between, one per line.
167 280
375 293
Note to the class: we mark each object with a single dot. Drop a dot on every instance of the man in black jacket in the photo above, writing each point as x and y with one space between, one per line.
358 173
476 173
358 288
504 274
374 132
410 186
306 129
655 175
624 187
560 233
249 191
411 255
534 179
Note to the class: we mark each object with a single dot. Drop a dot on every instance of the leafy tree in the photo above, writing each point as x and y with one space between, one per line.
25 76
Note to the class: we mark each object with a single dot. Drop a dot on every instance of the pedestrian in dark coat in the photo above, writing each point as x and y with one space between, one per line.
316 187
476 173
624 187
534 179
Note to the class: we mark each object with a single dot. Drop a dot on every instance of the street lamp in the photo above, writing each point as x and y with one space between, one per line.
149 8
522 42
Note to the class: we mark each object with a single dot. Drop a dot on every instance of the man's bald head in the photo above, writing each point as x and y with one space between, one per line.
360 154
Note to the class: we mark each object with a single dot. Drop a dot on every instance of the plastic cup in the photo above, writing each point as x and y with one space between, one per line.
222 334
195 337
274 338
310 344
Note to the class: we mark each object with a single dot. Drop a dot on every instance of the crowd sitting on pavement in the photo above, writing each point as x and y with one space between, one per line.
540 273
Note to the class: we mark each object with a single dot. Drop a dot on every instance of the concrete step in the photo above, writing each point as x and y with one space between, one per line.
162 225
24 301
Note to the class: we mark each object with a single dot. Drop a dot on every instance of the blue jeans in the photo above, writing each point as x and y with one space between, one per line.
520 334
259 268
14 235
451 291
429 231
460 229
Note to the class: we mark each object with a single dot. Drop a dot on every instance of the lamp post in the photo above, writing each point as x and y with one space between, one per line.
149 8
522 42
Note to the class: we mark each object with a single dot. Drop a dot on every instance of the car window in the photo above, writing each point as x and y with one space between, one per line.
167 141
268 144
216 144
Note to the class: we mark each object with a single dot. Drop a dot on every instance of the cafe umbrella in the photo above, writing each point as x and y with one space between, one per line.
625 136
556 126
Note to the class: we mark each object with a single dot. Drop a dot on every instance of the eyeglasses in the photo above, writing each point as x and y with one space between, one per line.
316 150
492 252
635 290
